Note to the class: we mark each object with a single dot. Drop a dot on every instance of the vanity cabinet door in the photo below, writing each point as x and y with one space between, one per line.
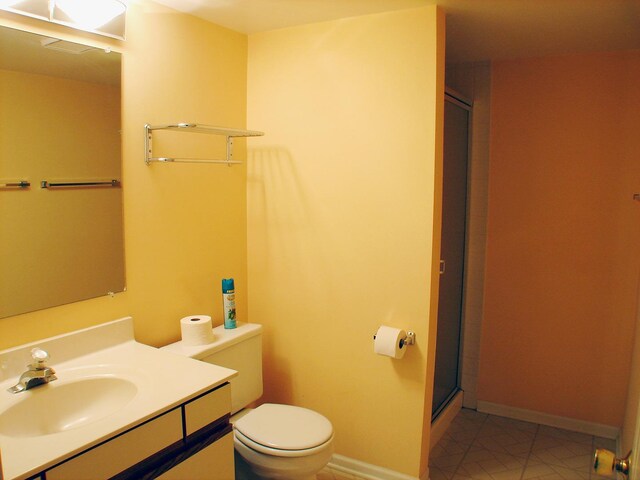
118 454
206 409
156 445
214 462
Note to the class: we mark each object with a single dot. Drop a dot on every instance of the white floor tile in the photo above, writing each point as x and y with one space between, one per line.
487 447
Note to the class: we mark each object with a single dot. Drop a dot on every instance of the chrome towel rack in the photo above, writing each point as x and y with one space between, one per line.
229 133
80 184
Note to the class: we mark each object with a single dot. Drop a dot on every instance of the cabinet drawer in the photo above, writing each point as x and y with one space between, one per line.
118 454
212 463
207 409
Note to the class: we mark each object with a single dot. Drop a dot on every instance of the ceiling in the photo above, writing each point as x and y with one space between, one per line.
476 29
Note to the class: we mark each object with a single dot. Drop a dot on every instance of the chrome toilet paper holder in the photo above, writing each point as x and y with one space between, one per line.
410 339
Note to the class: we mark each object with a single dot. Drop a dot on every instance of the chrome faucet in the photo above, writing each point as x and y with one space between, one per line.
38 373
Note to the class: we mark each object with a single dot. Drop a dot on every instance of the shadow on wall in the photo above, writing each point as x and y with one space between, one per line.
278 384
276 203
276 199
281 224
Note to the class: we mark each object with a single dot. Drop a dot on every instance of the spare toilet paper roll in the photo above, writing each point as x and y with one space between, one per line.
196 330
390 342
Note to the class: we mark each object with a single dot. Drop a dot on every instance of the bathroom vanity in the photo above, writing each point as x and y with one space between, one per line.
118 409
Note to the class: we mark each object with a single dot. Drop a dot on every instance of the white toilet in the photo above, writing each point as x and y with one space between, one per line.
272 441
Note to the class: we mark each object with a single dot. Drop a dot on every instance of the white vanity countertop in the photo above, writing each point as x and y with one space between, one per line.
164 380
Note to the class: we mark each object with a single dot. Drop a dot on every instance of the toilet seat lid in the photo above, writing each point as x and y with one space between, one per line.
285 427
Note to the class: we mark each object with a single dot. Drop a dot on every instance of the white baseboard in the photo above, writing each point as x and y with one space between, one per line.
367 470
582 426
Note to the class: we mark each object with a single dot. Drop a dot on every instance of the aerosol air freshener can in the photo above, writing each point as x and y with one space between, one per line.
229 302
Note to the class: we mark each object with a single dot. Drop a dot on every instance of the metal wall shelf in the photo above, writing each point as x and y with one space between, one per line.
229 133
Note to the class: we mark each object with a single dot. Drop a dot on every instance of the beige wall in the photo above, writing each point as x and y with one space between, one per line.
185 225
341 221
563 231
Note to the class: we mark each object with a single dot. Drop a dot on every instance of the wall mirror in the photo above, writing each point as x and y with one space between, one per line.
60 241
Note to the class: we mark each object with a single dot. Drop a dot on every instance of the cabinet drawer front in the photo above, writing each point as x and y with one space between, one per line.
212 463
207 409
114 456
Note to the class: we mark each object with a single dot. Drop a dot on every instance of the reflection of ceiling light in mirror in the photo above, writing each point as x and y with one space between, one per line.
64 46
104 17
90 15
31 8
10 3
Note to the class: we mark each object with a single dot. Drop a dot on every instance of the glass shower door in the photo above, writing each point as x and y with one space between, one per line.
454 213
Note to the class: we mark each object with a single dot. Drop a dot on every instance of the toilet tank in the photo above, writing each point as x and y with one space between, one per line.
239 349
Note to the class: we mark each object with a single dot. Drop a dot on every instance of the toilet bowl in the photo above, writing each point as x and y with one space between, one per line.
283 442
272 441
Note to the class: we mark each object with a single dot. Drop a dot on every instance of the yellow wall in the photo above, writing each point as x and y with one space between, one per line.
435 247
185 225
341 221
58 129
563 234
342 203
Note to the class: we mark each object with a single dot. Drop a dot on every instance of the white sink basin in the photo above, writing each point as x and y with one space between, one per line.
107 384
59 406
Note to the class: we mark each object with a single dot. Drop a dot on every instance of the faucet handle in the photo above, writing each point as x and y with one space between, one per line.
39 356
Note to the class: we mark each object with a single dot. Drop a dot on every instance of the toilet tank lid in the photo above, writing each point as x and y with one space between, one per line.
222 338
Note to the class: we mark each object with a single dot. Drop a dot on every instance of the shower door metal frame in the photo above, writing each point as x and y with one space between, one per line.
460 101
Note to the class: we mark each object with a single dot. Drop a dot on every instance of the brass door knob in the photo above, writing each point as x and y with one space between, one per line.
606 463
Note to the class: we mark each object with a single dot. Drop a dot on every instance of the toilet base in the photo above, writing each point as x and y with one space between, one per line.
244 472
252 465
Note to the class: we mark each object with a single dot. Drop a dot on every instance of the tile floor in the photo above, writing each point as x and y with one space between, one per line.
487 447
478 446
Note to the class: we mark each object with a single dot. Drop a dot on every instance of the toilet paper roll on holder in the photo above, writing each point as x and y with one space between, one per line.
410 339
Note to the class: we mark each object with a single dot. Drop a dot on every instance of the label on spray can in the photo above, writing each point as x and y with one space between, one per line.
229 302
